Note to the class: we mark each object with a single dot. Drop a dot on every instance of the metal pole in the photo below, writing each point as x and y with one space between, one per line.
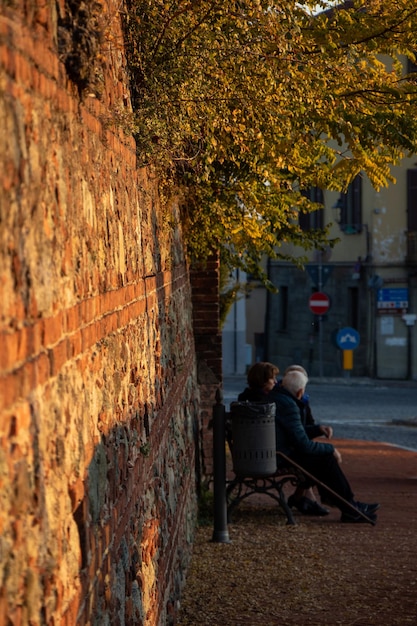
320 282
409 352
220 530
320 347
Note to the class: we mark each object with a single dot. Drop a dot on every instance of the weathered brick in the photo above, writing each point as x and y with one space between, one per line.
73 318
9 342
42 366
58 356
53 328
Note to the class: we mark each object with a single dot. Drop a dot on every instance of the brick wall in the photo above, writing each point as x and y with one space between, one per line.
98 386
208 345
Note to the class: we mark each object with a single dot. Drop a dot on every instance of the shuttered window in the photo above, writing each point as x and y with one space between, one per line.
351 208
411 67
412 200
315 219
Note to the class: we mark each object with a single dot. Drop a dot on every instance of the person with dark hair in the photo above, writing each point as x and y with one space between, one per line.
262 377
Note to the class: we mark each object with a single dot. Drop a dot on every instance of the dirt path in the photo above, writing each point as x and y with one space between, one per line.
320 572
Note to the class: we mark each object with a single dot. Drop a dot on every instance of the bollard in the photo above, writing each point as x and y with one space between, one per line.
347 362
220 530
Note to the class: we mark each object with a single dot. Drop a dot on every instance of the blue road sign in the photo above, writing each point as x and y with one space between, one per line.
347 338
314 273
392 300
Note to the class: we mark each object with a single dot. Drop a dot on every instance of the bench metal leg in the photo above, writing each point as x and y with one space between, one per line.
284 502
272 486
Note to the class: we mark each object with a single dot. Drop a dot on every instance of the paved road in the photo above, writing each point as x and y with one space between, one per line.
358 408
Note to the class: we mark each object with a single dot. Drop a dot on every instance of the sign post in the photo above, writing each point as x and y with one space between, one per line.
319 304
347 340
410 320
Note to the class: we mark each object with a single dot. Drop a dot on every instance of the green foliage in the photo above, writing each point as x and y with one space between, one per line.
205 506
145 449
243 104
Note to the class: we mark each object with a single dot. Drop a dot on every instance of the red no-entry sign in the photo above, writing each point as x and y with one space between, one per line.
319 303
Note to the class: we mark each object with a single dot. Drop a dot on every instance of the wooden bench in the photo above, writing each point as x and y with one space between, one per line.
251 441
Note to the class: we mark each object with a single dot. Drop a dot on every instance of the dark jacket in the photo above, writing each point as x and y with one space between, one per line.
253 395
292 436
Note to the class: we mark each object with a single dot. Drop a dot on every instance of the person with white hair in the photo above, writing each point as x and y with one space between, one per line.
321 459
304 500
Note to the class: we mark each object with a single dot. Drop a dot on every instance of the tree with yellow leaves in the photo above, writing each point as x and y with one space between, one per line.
246 104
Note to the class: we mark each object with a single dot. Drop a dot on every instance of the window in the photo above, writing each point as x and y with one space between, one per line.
412 200
412 216
313 220
411 67
351 208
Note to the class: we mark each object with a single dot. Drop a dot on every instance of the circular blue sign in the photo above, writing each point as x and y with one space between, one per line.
347 338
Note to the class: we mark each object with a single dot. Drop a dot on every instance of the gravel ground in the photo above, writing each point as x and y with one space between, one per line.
320 572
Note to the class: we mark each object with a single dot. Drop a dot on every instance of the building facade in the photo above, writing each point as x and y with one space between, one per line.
369 278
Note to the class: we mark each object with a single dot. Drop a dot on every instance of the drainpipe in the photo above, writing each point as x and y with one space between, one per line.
267 314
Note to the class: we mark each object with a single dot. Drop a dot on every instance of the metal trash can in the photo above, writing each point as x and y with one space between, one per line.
253 438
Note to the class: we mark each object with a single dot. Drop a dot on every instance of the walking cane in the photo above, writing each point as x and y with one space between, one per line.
349 504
